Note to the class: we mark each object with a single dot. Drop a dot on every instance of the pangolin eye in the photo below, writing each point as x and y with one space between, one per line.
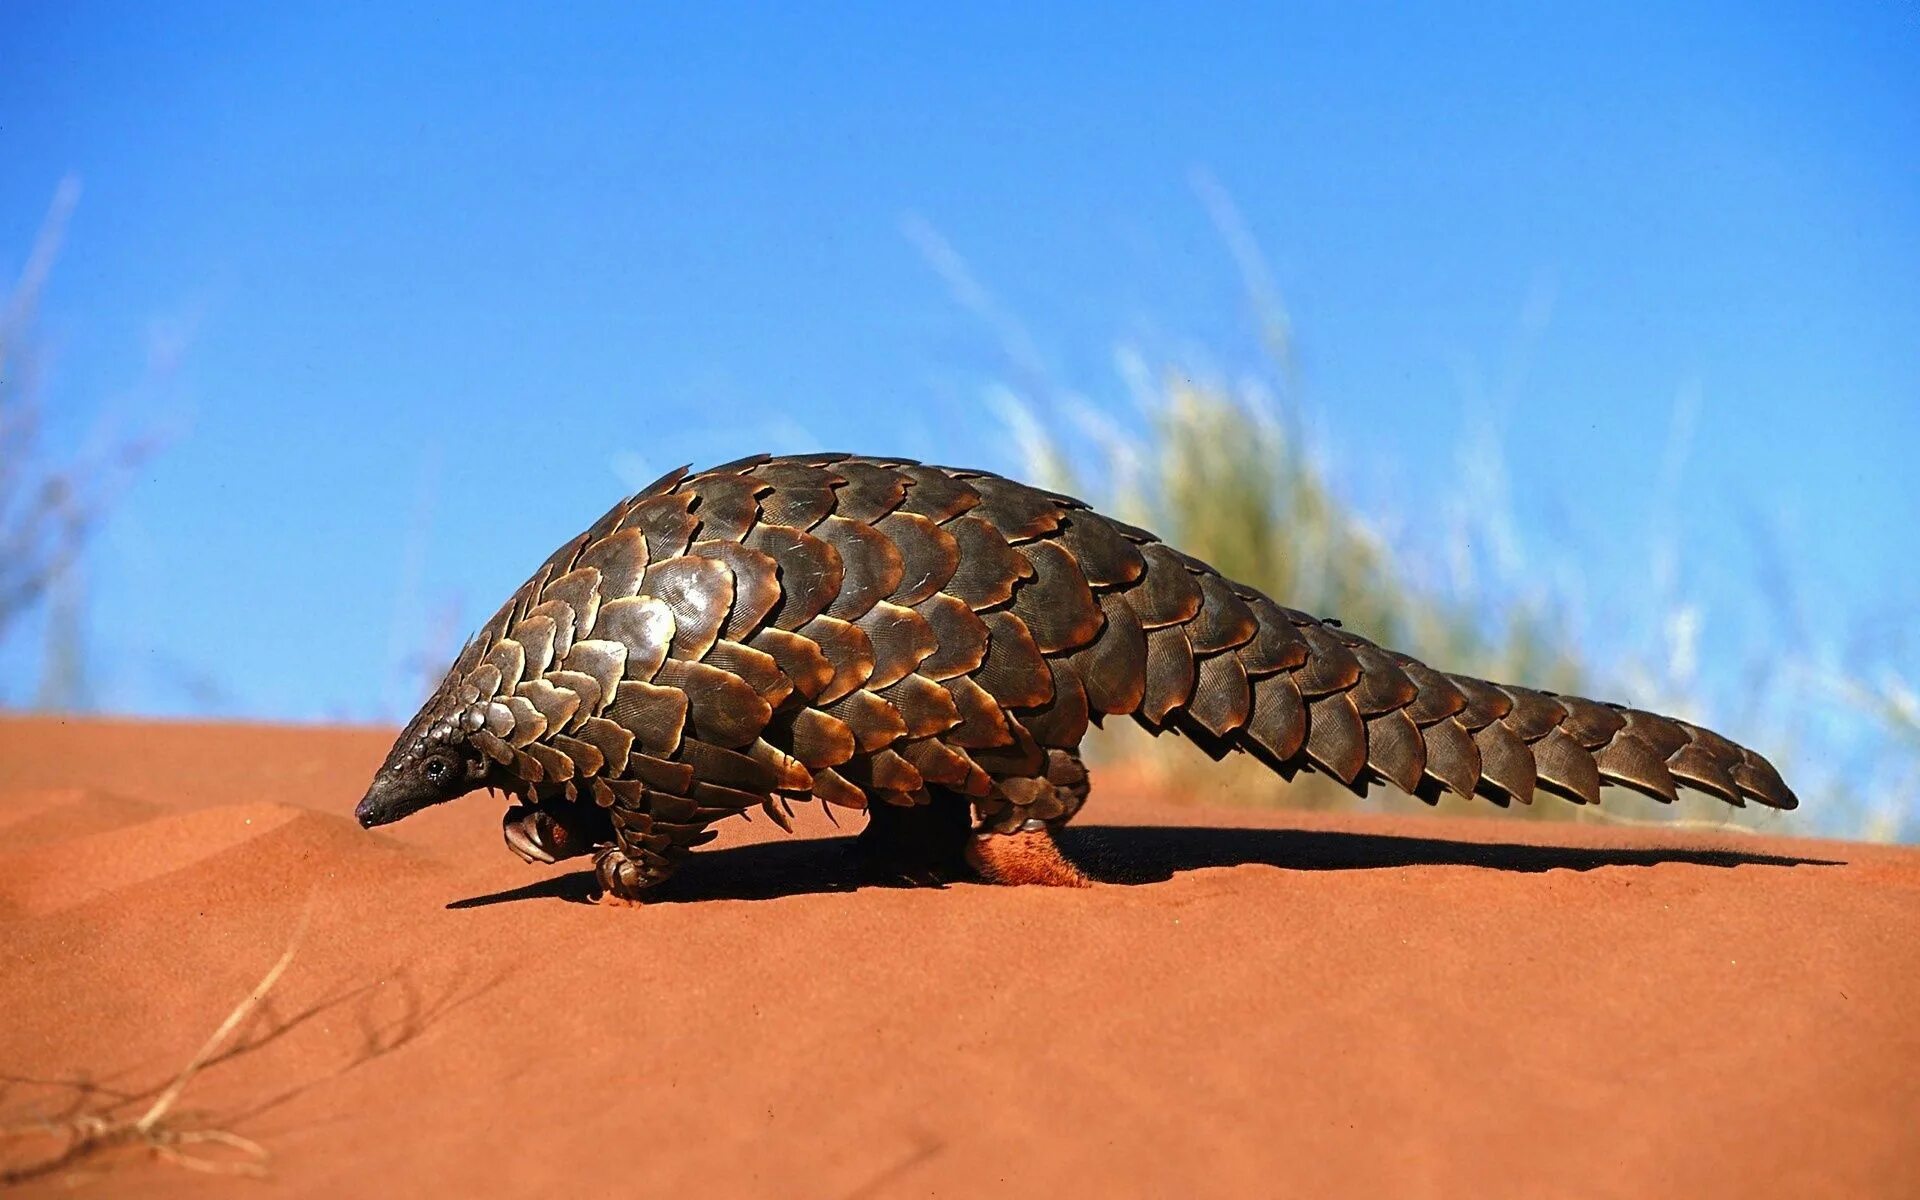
436 769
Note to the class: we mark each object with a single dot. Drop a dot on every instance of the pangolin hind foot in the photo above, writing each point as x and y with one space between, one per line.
1028 855
884 636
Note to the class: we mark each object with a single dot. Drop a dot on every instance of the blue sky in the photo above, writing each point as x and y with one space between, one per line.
437 285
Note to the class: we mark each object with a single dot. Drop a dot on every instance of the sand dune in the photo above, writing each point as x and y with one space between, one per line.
1274 1004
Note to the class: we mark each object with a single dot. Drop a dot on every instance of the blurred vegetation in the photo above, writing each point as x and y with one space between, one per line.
49 503
42 519
1223 469
1218 471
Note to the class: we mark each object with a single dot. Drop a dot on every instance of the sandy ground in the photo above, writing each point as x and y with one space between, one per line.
1271 1004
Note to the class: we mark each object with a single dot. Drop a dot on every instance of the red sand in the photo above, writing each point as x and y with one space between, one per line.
1359 1007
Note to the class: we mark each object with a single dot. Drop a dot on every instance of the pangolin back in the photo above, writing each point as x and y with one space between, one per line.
868 631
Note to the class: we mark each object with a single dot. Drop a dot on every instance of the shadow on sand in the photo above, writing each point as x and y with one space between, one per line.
1135 854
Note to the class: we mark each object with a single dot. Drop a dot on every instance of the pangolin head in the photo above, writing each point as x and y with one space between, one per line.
436 759
433 760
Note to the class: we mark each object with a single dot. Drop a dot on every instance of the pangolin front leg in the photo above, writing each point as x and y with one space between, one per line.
545 834
623 877
645 851
624 865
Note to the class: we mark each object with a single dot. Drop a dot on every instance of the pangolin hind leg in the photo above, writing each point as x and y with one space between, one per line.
1027 855
1015 842
916 844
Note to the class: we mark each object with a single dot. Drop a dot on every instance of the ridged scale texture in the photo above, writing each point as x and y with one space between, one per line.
865 630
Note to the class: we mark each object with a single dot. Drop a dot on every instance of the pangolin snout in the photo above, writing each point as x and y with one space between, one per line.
390 797
370 811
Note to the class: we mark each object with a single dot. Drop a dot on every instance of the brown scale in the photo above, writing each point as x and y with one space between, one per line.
878 634
1015 670
983 723
756 585
799 659
936 494
621 560
729 506
929 556
1062 721
1056 606
938 763
989 569
1171 674
808 571
697 590
667 522
902 639
817 738
960 637
1113 667
872 566
870 493
926 707
1221 700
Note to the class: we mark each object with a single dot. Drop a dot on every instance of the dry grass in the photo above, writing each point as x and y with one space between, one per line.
158 1129
1218 471
1220 466
49 505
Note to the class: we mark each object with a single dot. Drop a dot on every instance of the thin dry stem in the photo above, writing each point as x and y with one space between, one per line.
91 1133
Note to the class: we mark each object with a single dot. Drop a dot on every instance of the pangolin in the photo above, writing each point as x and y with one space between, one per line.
930 645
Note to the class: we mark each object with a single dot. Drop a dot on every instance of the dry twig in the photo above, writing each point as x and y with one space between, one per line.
156 1129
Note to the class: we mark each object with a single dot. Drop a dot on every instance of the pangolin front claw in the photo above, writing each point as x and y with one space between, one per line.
537 837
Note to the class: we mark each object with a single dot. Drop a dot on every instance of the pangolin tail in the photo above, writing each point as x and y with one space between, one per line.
1232 670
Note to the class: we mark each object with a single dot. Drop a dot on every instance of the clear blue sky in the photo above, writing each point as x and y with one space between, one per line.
442 283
